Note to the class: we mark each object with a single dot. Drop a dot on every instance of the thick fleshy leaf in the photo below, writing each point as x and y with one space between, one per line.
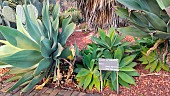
56 10
32 29
28 76
43 65
60 52
6 50
46 17
156 21
131 4
20 27
18 39
65 23
125 77
133 31
33 82
17 70
23 59
46 47
66 33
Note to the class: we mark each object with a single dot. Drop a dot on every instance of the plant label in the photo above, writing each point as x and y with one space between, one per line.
108 64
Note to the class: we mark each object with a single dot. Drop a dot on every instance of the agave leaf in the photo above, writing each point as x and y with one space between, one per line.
17 70
156 21
43 65
133 32
56 11
123 13
163 3
46 18
66 33
32 29
18 39
33 82
125 77
11 50
63 53
26 77
46 47
162 35
13 78
65 23
131 4
23 59
20 27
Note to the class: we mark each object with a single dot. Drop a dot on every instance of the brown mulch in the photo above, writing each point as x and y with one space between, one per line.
146 85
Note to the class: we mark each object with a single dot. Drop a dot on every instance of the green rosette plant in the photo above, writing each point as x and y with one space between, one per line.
33 52
109 46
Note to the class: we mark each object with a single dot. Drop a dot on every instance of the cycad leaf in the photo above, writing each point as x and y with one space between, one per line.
18 39
23 59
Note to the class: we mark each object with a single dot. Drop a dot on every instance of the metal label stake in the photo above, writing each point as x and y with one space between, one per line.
109 65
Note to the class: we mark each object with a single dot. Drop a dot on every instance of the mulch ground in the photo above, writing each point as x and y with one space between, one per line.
146 85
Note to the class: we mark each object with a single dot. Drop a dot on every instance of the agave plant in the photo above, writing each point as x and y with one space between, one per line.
148 18
33 52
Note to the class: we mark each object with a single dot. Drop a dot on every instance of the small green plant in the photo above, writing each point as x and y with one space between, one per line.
34 52
88 73
110 46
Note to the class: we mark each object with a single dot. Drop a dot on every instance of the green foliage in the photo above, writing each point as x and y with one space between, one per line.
110 46
33 52
153 61
88 73
148 17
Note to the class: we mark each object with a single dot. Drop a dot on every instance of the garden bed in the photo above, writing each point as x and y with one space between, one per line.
150 84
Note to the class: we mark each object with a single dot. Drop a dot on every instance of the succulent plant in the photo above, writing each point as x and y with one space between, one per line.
148 18
34 52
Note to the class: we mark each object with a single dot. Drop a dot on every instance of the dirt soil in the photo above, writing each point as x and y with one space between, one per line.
146 85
